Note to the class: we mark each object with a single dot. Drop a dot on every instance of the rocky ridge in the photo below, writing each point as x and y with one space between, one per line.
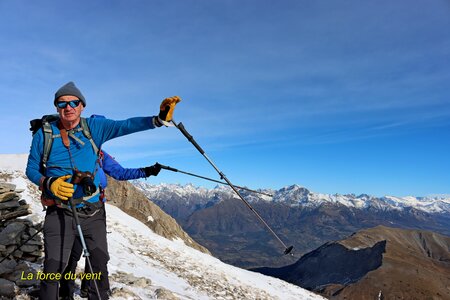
384 262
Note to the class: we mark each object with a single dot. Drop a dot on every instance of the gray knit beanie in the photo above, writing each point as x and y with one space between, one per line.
69 89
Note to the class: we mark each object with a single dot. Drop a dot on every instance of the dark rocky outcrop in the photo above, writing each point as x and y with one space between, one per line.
330 265
378 262
16 261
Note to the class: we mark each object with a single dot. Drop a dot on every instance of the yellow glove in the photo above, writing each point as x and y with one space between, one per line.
62 189
166 109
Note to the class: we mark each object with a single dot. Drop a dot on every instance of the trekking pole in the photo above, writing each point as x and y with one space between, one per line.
18 247
213 180
180 126
86 253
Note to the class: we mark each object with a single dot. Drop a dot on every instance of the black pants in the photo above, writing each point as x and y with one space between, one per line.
67 282
60 233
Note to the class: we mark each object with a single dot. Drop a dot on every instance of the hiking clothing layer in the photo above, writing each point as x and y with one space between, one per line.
82 156
116 171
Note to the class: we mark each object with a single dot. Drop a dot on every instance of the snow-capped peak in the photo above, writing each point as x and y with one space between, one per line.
296 195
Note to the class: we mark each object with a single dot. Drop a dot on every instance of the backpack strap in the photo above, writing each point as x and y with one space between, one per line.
87 134
48 141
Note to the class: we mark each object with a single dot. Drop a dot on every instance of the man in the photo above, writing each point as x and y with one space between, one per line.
111 167
72 152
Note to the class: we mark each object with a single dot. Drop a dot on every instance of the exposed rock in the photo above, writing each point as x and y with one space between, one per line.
9 235
12 251
7 288
7 187
29 248
4 197
7 266
21 211
9 204
131 280
20 272
165 294
123 293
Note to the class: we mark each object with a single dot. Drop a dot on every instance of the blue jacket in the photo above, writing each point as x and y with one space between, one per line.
81 156
111 167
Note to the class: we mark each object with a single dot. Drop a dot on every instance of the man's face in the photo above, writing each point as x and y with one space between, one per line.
69 114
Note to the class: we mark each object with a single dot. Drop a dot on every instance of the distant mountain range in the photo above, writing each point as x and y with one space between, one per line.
296 195
222 223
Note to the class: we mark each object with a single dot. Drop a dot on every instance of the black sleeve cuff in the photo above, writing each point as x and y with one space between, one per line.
157 122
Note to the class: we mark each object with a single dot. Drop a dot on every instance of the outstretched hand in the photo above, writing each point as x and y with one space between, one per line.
152 170
166 110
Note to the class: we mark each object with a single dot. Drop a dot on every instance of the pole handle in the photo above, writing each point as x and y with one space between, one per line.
168 168
189 137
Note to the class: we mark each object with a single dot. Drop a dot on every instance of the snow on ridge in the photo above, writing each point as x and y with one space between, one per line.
429 204
188 273
444 197
163 190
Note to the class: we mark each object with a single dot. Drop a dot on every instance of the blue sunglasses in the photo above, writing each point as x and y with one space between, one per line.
72 103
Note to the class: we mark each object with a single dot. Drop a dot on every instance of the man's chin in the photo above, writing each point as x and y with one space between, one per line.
70 118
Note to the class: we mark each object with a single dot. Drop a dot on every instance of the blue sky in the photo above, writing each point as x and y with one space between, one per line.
337 96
